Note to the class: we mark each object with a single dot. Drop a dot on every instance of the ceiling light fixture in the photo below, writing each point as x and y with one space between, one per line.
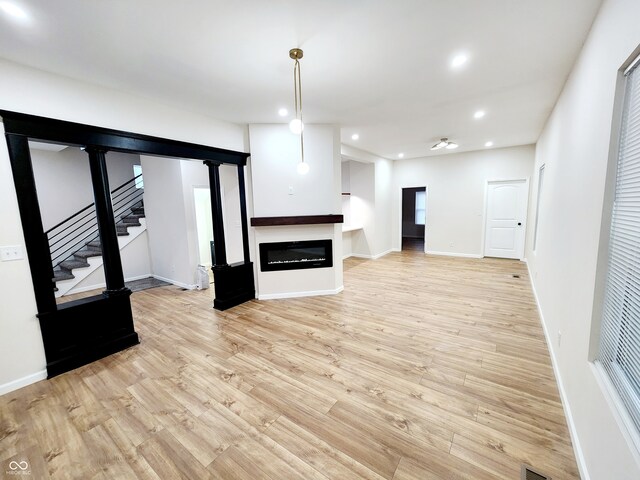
283 112
401 155
444 143
479 114
355 136
13 10
296 125
489 144
459 60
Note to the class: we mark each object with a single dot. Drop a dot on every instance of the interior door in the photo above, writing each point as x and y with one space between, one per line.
506 219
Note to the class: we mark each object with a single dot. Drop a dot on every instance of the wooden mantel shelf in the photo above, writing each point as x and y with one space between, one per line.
296 220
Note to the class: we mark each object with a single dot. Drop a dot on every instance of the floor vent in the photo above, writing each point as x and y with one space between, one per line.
529 473
515 276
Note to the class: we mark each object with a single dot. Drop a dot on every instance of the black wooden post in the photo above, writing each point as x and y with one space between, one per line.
219 244
106 222
243 214
35 239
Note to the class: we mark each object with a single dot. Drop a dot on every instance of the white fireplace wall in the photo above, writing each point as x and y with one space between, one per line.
278 190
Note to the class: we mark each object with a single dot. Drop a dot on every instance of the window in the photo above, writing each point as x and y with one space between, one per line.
540 183
137 173
421 210
619 351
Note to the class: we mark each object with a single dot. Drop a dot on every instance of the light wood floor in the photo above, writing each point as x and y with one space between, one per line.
423 368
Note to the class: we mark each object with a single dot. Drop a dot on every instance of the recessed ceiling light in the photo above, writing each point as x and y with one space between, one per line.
283 112
488 144
479 114
13 10
401 155
355 136
459 60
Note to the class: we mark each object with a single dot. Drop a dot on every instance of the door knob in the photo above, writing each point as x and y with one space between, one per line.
519 223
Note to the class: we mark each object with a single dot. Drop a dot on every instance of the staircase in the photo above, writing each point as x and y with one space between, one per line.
75 242
79 259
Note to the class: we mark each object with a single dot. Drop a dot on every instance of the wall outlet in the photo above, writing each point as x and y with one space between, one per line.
13 252
451 244
559 338
290 190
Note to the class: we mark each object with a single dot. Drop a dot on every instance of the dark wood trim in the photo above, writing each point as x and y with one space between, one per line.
35 239
114 277
219 244
296 220
80 135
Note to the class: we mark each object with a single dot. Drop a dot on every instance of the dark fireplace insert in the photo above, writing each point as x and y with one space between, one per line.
295 255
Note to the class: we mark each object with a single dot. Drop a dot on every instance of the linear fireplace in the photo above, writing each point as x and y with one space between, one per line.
296 255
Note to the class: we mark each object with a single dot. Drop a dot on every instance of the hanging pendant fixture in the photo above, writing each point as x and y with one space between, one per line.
296 125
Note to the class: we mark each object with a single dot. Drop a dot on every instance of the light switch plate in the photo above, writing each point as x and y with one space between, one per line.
12 252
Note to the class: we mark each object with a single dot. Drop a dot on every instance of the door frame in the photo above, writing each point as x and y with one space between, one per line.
426 213
486 209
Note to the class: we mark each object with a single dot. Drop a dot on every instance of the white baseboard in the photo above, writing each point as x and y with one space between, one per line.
315 293
370 257
23 382
104 285
452 254
175 282
575 440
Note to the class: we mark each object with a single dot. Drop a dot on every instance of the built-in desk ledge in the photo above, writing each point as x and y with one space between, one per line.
351 228
296 220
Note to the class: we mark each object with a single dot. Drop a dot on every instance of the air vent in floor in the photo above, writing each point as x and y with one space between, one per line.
515 276
529 473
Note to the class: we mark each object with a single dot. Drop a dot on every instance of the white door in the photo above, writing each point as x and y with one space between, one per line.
506 219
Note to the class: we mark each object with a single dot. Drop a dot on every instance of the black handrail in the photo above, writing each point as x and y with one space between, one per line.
85 228
92 204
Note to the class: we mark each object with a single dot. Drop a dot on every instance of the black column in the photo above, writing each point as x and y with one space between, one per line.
243 214
106 222
216 213
35 239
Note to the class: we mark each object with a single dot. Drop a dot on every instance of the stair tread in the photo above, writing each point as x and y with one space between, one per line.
71 264
59 275
88 253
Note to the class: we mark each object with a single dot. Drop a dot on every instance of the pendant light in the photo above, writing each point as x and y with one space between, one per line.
296 125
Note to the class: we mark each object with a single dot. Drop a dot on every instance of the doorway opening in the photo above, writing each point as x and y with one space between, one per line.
414 219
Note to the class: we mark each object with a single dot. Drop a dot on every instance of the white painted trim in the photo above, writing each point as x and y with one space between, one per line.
23 382
175 282
372 257
103 284
575 440
380 255
453 254
315 293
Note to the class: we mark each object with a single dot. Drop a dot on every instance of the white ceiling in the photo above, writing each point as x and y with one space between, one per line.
379 68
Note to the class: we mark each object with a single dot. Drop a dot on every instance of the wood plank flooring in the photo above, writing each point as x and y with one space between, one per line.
423 368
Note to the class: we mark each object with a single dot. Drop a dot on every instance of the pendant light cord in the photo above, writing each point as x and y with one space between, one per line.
297 88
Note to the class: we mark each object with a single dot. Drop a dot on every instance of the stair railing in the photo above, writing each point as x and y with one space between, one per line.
73 233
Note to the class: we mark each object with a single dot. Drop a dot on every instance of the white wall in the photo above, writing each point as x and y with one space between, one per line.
63 180
456 194
33 91
574 147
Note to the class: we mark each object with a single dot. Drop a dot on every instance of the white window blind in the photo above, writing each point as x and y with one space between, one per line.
620 335
421 208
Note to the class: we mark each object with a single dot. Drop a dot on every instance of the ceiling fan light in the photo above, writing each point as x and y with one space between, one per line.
451 146
441 144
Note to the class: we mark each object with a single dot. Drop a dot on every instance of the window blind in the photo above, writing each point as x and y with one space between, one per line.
620 335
